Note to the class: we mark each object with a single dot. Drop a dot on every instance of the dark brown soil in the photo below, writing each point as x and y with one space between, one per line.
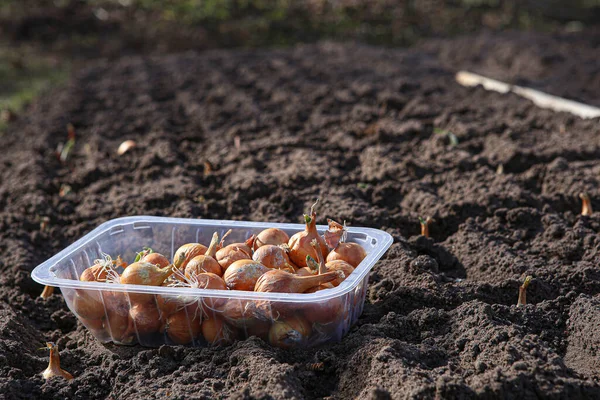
358 127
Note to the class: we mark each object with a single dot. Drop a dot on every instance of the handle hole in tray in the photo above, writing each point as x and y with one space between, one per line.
359 236
141 225
374 241
116 230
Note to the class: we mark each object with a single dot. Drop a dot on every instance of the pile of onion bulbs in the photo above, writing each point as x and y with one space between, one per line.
270 261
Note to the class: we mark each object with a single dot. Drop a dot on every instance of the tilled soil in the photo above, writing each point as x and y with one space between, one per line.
363 129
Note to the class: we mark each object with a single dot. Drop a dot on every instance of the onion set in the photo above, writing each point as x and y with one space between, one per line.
181 329
205 262
425 226
187 252
523 291
273 236
274 257
341 266
300 243
586 204
156 259
283 282
217 332
47 292
144 318
54 368
335 236
289 332
234 252
88 304
243 274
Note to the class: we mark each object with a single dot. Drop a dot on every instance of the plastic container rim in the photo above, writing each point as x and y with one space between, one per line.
42 273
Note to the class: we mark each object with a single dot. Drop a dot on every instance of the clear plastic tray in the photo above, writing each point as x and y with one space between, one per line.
310 319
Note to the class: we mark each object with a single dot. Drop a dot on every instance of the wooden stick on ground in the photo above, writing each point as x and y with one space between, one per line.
540 99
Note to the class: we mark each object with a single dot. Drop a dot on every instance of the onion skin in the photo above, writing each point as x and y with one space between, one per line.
202 264
143 273
156 259
324 286
306 271
334 234
169 304
352 253
339 265
195 301
216 332
289 332
117 321
206 262
300 243
259 329
54 368
210 281
232 253
185 253
95 273
144 318
47 292
249 244
243 314
283 282
93 324
180 330
88 305
273 257
125 147
324 312
243 274
274 236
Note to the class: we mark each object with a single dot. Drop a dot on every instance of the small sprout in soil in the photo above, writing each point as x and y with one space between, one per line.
523 291
125 147
207 168
362 185
47 292
425 226
44 223
451 136
586 206
453 139
64 190
500 169
64 150
54 368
